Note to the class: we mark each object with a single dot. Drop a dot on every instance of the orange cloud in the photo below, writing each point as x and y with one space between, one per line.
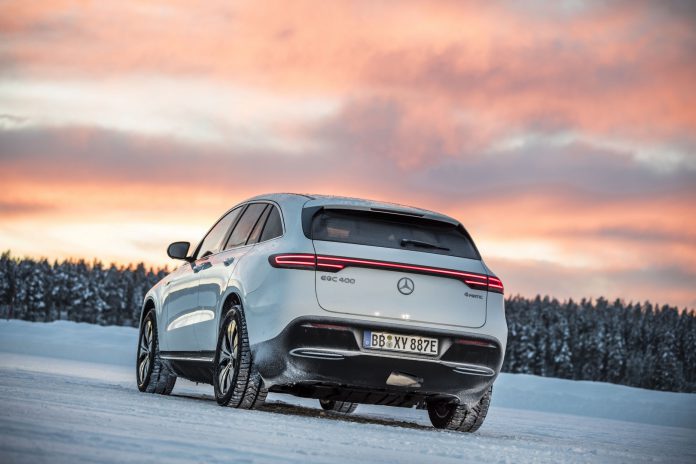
623 69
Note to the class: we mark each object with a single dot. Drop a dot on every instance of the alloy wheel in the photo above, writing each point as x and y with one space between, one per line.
145 349
227 362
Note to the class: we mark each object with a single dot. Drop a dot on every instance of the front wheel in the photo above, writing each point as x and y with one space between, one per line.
235 380
460 417
152 375
343 407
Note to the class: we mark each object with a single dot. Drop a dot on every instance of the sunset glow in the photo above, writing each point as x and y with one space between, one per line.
562 134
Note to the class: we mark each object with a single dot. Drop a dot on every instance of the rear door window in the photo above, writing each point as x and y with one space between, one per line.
392 231
246 223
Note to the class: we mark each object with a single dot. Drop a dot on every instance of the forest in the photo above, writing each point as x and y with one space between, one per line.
637 344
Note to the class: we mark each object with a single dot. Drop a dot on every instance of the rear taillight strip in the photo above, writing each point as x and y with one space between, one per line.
337 263
495 283
297 261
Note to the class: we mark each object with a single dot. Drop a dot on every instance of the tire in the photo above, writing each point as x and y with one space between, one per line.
460 417
235 381
151 373
343 407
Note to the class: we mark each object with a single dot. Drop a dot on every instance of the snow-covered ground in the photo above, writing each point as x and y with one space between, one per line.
67 394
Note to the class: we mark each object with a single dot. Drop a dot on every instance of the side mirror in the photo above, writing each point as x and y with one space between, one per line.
178 250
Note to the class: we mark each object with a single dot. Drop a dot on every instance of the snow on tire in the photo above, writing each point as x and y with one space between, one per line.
460 417
343 407
152 374
236 382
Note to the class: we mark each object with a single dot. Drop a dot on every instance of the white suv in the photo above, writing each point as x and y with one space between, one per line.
344 300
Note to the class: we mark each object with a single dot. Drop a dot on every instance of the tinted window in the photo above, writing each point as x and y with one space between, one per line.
241 231
274 226
384 230
254 237
213 241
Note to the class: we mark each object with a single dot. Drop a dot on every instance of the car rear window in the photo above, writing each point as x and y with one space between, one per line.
393 231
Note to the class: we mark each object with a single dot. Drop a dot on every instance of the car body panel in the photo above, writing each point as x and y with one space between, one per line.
180 301
212 288
375 292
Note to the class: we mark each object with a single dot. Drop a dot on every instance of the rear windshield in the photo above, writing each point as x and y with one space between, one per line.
392 231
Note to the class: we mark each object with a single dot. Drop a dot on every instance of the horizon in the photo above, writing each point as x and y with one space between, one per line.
130 266
562 136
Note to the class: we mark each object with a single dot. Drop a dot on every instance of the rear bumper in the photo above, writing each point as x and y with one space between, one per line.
324 358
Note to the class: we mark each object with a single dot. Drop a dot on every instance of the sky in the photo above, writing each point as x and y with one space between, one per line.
562 134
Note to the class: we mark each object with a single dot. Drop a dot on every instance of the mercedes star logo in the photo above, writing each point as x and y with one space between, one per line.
405 286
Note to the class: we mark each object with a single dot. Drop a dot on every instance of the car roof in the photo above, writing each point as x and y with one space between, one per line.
340 202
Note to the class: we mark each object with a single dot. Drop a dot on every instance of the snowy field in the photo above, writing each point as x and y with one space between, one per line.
67 394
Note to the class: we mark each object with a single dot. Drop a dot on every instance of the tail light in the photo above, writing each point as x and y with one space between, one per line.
302 261
298 261
495 285
325 263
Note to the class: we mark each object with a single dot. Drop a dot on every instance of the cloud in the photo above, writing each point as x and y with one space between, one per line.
349 141
655 283
622 69
531 184
560 132
10 208
647 234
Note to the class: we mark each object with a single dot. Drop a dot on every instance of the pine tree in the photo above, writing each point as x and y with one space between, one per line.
560 348
616 344
8 284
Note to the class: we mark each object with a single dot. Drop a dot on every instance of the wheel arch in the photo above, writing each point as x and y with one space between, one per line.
232 298
147 306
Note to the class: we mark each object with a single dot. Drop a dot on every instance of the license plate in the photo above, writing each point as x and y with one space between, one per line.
403 343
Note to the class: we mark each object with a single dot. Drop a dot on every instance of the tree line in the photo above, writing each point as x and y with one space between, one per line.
635 344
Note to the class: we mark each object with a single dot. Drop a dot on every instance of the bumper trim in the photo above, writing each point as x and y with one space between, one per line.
471 369
169 357
322 353
338 355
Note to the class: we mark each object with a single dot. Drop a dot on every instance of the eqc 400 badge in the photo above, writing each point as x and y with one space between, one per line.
343 280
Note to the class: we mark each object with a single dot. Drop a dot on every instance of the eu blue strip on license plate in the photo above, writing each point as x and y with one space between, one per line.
367 339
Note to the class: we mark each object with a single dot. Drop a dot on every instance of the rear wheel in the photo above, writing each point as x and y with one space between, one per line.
343 407
152 374
460 417
235 381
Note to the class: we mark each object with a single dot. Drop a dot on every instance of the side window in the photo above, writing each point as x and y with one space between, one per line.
256 233
274 226
241 231
213 241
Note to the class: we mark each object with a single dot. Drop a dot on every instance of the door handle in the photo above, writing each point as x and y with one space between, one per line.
201 266
228 261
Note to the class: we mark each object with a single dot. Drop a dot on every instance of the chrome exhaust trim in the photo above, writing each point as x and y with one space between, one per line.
399 379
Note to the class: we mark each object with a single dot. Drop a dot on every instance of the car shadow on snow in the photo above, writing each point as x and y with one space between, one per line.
295 410
279 407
